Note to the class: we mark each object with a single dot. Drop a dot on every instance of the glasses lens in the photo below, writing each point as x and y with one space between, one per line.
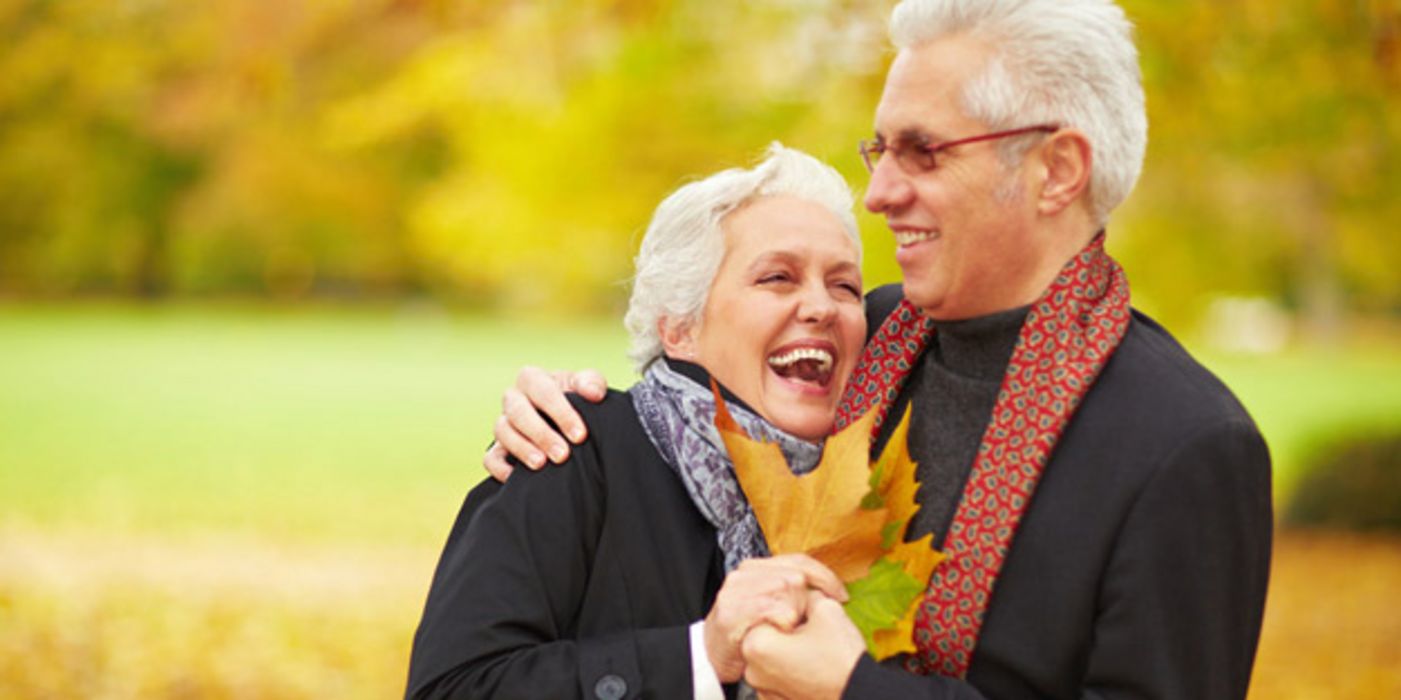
915 158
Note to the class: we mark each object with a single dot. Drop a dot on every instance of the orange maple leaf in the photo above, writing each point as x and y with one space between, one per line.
845 514
818 513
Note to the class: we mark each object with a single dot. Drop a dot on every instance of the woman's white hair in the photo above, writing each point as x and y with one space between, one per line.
1069 62
685 243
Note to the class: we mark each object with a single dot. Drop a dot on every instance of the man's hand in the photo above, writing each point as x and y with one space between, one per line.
523 433
815 660
774 591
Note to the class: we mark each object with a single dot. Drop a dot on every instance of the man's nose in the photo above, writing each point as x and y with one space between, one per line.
889 189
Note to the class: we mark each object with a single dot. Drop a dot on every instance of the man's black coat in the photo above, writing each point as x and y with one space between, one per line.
1140 567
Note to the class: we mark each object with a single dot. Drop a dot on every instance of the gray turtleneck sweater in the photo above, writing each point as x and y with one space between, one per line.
963 367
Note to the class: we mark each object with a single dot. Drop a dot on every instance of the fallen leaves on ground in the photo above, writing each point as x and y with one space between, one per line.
75 622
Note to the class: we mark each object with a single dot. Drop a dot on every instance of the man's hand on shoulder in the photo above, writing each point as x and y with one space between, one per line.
521 430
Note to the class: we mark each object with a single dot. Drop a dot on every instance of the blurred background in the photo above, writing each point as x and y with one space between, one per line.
267 265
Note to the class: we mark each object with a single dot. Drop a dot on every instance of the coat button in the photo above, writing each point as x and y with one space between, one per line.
610 687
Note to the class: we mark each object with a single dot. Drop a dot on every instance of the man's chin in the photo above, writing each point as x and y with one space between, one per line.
923 296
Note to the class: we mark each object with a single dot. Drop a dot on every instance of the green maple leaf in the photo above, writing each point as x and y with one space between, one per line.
879 600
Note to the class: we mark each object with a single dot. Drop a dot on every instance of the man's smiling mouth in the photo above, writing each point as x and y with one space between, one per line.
907 238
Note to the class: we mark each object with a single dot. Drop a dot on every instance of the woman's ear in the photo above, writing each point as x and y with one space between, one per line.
678 338
1066 157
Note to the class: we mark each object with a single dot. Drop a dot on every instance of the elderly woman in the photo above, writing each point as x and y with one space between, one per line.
620 575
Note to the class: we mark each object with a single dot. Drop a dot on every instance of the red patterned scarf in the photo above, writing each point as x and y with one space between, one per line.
1069 334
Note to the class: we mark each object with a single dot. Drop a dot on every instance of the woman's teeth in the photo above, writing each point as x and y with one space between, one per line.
804 364
904 238
822 358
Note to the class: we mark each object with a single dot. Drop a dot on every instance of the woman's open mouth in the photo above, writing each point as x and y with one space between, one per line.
810 363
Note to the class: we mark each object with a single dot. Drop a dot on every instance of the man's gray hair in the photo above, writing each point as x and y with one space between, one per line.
1070 62
685 243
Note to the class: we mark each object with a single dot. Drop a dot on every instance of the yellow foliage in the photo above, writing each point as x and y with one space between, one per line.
847 515
818 513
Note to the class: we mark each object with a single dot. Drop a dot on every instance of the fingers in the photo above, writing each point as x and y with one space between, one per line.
523 419
514 443
590 384
813 661
760 641
774 591
544 392
815 574
757 593
522 430
819 604
495 462
758 650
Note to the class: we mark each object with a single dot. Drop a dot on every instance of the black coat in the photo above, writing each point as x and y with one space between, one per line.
1140 566
576 581
1139 569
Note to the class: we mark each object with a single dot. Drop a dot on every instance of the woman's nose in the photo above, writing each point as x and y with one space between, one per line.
816 305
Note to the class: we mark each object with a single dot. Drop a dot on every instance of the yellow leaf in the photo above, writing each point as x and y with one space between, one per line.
895 640
821 513
918 559
896 470
818 513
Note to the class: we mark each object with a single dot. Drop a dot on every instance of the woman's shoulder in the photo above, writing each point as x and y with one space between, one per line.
615 408
615 439
616 435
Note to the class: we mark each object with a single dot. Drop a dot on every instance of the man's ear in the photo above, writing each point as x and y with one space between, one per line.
1066 157
678 338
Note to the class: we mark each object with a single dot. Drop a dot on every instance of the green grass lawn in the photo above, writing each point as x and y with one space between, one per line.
368 425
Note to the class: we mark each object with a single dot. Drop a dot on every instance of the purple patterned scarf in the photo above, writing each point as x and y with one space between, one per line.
678 415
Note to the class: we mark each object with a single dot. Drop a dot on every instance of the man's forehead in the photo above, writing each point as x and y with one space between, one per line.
917 118
923 88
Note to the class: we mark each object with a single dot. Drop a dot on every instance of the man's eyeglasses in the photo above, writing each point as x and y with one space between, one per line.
915 158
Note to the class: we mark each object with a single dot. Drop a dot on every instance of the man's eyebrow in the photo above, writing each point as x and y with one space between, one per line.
910 134
915 135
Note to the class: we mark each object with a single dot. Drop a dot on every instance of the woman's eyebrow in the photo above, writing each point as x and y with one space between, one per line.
777 256
845 266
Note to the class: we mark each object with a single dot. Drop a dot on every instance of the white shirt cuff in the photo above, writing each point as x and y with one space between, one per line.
705 685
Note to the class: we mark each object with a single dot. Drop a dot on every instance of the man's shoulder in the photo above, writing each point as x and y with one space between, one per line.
1155 410
1152 369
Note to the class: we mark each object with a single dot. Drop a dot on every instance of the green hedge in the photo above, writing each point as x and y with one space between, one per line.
1354 485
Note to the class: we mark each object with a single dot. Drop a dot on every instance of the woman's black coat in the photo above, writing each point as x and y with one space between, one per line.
596 569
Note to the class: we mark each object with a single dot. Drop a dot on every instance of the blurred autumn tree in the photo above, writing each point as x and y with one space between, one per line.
1275 155
497 153
507 154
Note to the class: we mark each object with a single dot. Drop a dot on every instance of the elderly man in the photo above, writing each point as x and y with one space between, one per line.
1104 500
